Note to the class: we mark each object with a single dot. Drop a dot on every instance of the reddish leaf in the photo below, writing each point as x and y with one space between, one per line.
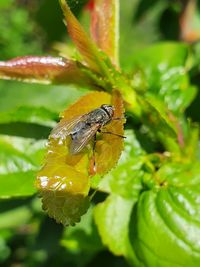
42 69
64 181
104 27
84 44
90 5
190 22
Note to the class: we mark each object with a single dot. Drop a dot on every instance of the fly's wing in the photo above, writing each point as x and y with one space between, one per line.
64 127
83 138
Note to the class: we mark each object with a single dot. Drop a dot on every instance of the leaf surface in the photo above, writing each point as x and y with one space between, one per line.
157 218
105 28
17 168
125 179
86 47
167 74
84 236
64 180
27 114
42 70
169 213
112 219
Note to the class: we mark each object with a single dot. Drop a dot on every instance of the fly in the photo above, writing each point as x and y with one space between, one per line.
84 128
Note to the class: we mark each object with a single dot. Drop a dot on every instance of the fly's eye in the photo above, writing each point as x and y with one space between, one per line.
104 106
109 108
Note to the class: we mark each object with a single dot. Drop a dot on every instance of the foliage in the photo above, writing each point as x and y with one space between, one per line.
140 201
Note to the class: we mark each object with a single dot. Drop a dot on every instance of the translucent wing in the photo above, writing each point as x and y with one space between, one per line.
64 127
83 138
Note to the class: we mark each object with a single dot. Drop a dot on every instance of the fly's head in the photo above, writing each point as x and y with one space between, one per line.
109 110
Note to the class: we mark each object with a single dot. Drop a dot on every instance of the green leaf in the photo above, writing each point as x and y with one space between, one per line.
83 240
21 216
180 174
163 56
166 74
158 117
18 184
83 237
161 208
19 160
168 214
35 115
126 178
112 219
54 98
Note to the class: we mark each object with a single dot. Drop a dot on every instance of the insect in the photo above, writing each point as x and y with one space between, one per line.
84 128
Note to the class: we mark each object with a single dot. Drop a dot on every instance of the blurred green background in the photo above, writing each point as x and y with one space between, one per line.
35 27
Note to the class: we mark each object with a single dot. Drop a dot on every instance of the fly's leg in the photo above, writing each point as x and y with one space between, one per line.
115 119
118 118
121 136
93 149
94 168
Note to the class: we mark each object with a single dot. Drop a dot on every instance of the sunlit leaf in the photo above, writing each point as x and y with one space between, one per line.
42 70
112 219
40 116
166 74
18 184
17 168
104 27
166 215
162 57
64 181
126 178
169 212
108 147
86 47
159 119
190 22
14 96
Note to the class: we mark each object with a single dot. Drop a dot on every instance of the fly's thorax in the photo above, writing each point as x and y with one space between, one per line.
98 116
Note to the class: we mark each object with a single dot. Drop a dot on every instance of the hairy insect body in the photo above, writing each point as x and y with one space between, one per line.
97 116
84 128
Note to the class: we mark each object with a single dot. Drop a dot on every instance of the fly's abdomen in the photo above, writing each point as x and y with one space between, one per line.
79 126
81 138
76 136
